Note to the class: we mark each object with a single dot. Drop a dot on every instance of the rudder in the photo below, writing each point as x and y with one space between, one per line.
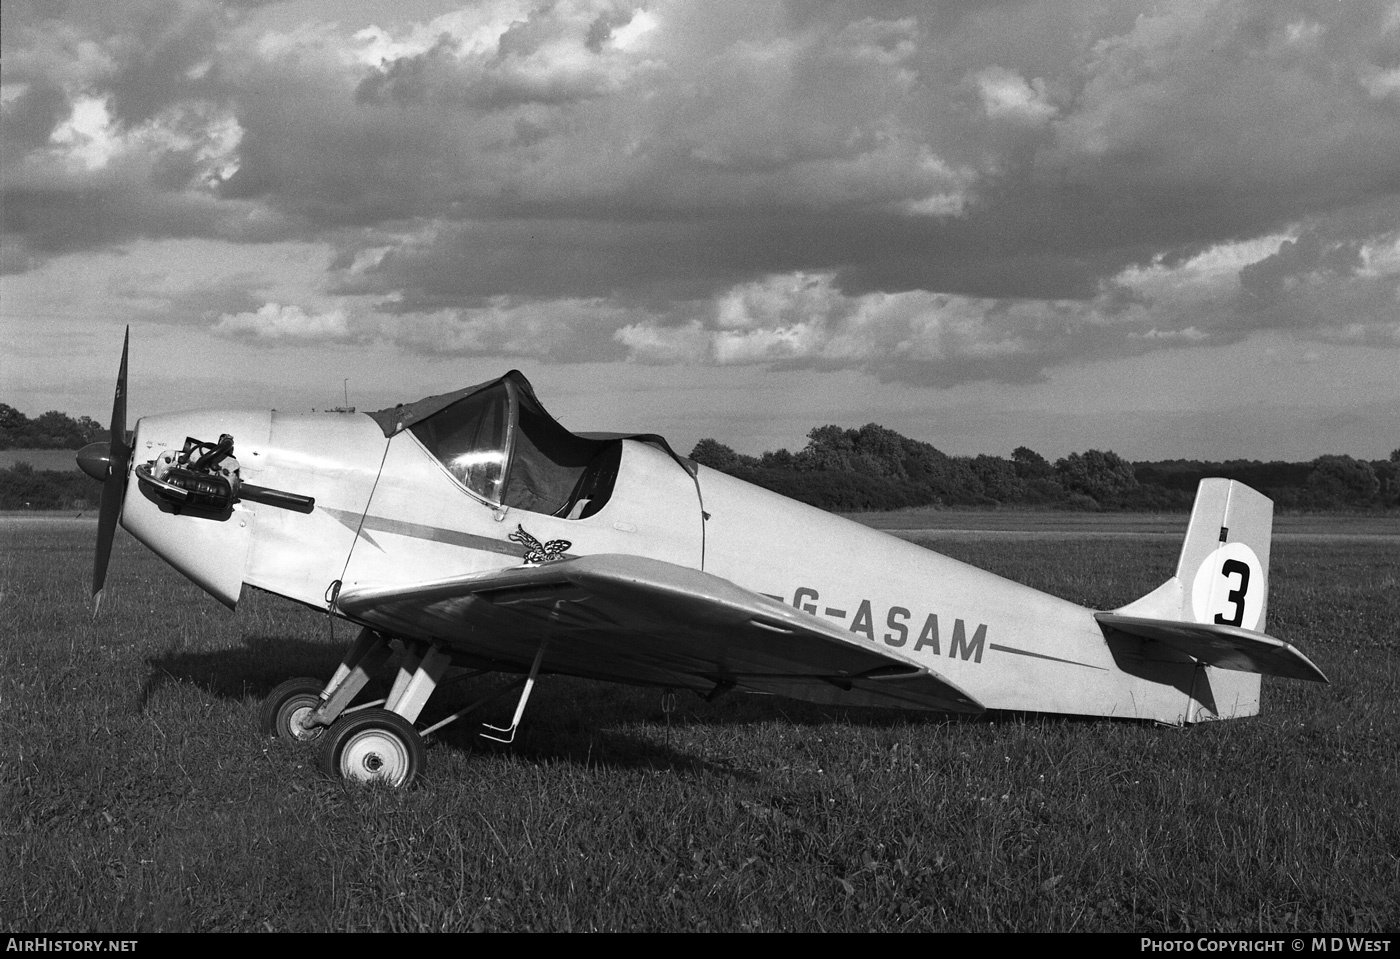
1224 563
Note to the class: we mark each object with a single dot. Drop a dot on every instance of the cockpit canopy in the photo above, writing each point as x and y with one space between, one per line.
498 441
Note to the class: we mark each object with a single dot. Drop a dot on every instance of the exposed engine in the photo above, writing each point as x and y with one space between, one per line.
204 476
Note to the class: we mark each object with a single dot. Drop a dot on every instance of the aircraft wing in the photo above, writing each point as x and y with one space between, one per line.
636 620
1227 647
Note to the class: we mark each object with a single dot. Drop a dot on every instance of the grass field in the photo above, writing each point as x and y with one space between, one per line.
136 793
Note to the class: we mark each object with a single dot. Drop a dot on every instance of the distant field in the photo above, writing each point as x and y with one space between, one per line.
40 459
1114 524
136 793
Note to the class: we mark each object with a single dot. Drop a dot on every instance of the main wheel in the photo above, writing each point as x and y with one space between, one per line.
373 745
288 706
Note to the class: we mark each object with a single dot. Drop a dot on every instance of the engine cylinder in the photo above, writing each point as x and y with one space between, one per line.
205 490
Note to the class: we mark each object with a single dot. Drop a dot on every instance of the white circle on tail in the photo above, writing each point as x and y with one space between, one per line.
1229 587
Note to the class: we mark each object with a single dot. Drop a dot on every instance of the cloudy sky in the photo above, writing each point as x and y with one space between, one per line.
1170 229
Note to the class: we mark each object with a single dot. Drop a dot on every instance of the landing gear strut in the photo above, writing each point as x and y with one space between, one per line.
378 741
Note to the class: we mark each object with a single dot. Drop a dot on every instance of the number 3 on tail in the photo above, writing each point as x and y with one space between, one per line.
1232 567
1229 587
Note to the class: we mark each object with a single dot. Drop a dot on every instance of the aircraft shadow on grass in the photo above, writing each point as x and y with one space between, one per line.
256 667
560 735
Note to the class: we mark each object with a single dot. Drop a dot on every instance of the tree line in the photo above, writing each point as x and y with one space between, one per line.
49 431
22 486
870 468
875 468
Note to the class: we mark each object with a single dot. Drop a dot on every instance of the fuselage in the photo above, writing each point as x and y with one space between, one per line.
390 512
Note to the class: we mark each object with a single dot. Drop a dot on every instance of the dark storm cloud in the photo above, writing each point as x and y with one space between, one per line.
116 127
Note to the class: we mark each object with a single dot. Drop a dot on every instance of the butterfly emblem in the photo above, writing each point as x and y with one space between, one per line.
535 552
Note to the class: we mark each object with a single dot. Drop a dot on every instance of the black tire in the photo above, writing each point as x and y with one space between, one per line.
285 704
373 745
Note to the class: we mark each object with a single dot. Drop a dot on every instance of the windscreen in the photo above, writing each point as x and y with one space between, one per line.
469 438
500 443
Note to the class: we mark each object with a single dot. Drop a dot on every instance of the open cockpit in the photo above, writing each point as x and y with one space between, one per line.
498 441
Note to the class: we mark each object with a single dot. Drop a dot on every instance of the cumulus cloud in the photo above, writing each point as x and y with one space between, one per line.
275 321
561 331
572 52
1328 283
1008 95
1256 109
1215 297
803 321
934 195
115 127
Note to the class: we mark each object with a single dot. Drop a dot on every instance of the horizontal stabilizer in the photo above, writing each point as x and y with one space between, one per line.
1226 647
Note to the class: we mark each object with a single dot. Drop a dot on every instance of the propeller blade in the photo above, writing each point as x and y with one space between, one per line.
106 530
119 403
114 485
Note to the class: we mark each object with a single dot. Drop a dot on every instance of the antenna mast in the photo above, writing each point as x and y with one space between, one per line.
347 408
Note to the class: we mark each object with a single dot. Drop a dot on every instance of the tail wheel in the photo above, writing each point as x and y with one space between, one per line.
373 745
287 707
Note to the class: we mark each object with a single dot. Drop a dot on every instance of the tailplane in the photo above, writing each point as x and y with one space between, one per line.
1215 608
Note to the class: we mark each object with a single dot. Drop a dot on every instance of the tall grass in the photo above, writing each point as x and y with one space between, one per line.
136 793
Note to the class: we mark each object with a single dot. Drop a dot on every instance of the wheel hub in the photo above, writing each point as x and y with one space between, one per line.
300 723
372 746
376 755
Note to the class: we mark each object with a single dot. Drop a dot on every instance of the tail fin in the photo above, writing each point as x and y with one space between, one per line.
1222 575
1214 608
1223 570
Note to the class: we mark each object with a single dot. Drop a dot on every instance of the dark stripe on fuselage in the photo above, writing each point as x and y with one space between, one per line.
1026 652
436 534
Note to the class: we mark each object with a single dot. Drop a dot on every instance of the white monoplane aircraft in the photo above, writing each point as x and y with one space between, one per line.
478 533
